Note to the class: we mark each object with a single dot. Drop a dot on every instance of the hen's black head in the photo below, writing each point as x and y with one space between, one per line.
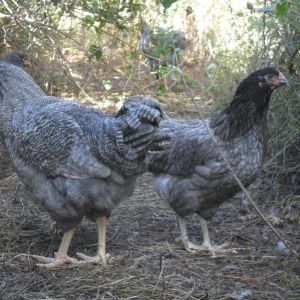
17 59
266 79
249 105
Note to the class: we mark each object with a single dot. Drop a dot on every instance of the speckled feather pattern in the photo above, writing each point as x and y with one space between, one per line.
73 159
191 175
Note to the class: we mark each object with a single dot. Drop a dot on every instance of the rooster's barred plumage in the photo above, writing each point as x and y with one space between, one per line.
19 60
76 161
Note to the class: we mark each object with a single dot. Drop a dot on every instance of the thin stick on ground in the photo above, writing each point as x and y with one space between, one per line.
190 94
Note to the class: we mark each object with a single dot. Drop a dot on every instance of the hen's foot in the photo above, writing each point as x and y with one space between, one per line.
50 263
98 259
205 247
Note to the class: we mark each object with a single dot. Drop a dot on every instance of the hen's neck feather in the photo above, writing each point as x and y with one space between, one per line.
248 110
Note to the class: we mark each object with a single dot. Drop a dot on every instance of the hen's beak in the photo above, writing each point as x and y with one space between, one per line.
281 80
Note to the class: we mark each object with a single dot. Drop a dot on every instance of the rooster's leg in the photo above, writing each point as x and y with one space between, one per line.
100 258
188 245
206 245
61 257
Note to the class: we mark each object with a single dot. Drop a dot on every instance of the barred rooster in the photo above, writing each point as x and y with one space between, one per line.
75 160
19 60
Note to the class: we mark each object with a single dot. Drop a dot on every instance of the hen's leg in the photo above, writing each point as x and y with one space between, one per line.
206 245
100 258
206 240
188 245
61 257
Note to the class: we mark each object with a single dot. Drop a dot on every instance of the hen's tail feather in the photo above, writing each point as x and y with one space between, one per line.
147 136
132 138
142 115
142 138
142 110
148 102
118 138
132 134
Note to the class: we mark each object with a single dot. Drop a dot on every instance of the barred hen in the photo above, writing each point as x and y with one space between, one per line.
192 176
75 160
19 60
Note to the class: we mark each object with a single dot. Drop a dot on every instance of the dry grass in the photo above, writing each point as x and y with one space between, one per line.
146 262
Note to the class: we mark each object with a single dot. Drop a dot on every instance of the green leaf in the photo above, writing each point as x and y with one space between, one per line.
282 9
161 89
129 68
55 2
297 46
107 85
167 3
134 54
96 52
95 4
88 21
212 70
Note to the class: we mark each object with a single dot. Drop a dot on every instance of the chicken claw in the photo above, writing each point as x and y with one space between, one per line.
206 246
97 259
61 257
213 249
51 263
101 256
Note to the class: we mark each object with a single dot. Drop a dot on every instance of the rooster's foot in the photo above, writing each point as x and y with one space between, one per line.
50 263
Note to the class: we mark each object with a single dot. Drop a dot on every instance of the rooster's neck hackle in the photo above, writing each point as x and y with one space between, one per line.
246 112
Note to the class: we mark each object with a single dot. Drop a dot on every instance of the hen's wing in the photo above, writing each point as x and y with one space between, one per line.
190 175
190 147
53 143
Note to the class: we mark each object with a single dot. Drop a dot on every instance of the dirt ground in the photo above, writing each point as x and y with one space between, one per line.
146 262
